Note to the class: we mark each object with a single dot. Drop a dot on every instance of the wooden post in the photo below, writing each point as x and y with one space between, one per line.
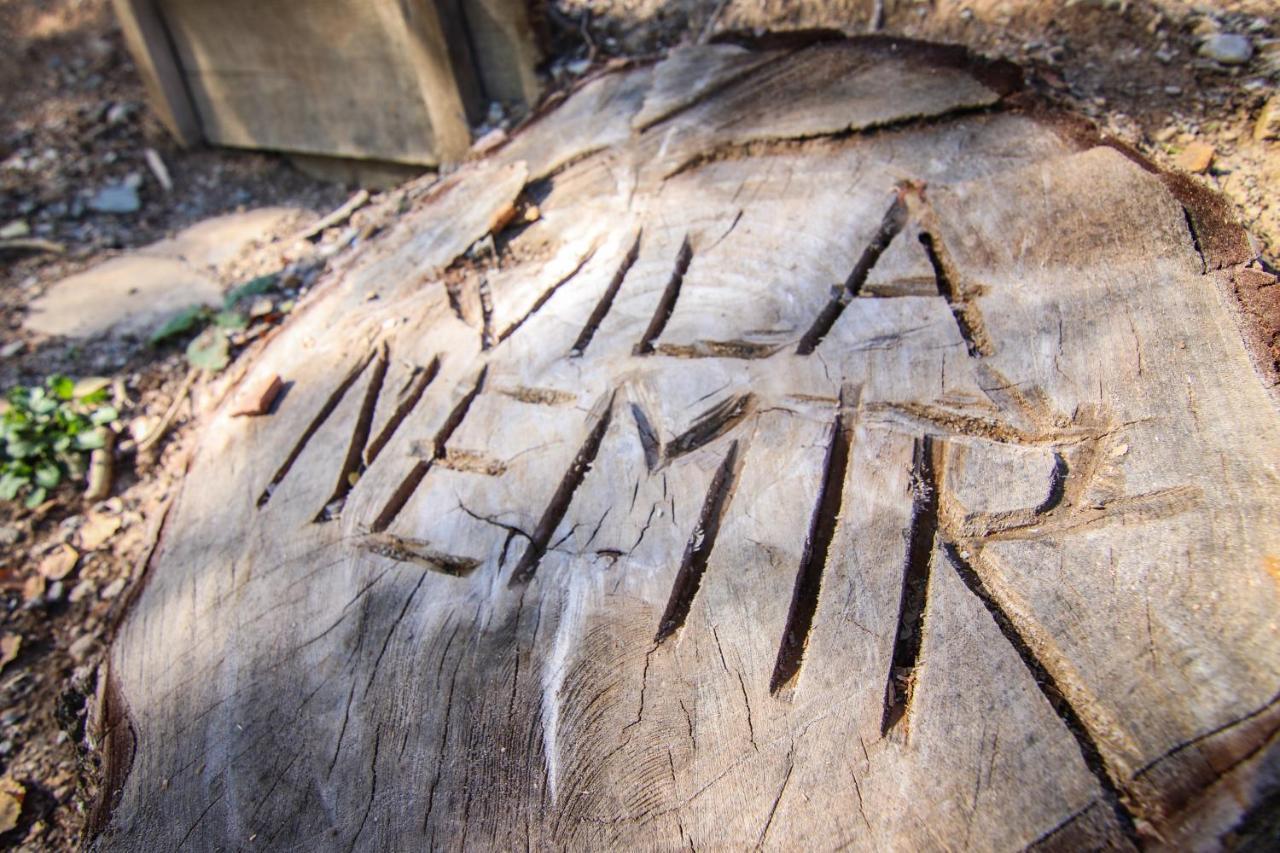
148 39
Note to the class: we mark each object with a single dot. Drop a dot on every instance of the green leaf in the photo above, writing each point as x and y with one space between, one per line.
11 484
91 440
105 415
62 387
36 497
48 475
43 405
20 448
209 350
184 321
256 287
230 320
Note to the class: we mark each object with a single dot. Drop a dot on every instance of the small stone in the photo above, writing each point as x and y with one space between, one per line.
113 589
261 307
1195 158
55 592
33 589
257 398
1227 49
16 228
9 535
6 747
59 563
1165 134
81 591
12 793
1173 90
82 648
120 198
12 348
98 530
10 645
1268 126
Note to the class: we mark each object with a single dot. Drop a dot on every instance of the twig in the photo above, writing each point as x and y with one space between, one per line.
340 215
877 17
101 470
705 36
158 168
161 428
31 244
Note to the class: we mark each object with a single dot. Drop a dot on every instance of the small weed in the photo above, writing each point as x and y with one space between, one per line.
47 432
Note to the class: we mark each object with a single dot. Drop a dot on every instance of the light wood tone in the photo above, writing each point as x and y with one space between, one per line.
149 43
504 49
642 555
332 77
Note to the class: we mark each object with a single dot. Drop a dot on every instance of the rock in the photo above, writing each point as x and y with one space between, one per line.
81 591
54 593
120 198
10 645
82 648
33 589
9 535
15 229
59 563
1195 158
1268 126
12 348
12 793
113 589
119 112
1227 49
97 530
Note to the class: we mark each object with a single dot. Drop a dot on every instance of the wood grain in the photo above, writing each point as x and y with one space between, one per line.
618 562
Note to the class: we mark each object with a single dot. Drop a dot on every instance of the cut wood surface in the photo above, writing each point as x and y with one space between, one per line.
850 455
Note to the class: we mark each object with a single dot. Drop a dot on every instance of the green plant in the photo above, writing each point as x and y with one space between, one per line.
47 430
210 349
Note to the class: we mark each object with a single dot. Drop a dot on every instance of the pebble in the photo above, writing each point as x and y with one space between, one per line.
1268 126
14 229
82 590
1227 49
9 535
120 198
113 589
54 592
1195 158
12 348
82 648
59 563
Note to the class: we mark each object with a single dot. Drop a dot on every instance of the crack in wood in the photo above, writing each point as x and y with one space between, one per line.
602 307
352 467
409 397
547 294
563 496
914 601
960 300
697 552
1090 753
330 404
891 225
822 530
710 425
405 550
667 301
411 481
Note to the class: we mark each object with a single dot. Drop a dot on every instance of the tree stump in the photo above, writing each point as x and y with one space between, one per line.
851 453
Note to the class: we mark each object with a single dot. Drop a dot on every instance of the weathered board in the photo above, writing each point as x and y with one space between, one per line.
849 456
390 80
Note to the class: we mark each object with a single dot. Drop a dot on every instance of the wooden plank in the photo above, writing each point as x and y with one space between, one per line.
893 488
505 50
335 77
152 49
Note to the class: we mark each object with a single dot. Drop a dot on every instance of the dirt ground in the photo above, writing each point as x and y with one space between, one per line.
74 120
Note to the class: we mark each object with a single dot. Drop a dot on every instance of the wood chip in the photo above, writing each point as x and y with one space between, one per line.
59 564
257 398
